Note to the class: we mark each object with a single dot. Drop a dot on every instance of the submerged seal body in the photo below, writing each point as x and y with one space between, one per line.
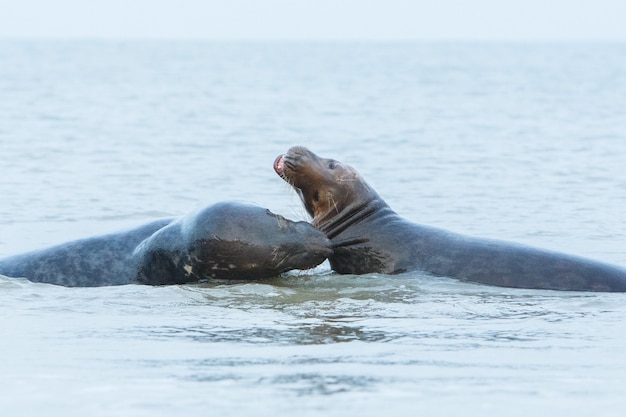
223 241
368 236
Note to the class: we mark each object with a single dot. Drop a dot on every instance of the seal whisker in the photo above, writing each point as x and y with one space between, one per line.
282 260
331 200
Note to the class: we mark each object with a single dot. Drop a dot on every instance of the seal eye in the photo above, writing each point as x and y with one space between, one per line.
332 165
316 196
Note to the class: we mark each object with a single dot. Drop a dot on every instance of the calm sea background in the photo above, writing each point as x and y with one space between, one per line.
517 141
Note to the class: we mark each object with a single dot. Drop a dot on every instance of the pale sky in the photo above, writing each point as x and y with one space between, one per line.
316 19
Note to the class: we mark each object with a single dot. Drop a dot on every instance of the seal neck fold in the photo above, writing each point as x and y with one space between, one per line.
349 216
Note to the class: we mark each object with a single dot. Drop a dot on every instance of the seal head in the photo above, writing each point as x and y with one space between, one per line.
231 241
326 187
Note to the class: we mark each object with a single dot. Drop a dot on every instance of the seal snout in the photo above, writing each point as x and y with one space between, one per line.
295 156
324 247
316 251
279 165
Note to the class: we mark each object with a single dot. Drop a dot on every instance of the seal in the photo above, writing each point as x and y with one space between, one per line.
227 240
368 236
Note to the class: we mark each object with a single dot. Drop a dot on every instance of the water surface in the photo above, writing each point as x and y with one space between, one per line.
523 142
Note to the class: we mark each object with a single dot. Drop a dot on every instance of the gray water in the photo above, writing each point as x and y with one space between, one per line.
522 142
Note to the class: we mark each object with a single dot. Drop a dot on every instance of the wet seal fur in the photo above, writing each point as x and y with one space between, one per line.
368 236
227 240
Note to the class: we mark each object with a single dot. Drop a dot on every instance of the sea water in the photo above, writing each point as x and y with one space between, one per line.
517 141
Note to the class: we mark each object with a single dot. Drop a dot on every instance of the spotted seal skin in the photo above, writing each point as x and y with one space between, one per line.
224 241
91 262
368 236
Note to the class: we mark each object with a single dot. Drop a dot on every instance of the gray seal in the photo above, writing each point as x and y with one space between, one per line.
227 240
368 236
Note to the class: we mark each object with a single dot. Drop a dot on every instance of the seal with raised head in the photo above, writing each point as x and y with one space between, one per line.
230 241
368 236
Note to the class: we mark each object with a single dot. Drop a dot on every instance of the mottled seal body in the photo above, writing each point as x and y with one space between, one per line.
368 236
91 262
223 241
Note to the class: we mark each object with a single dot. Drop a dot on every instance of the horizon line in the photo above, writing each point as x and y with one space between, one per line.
311 39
